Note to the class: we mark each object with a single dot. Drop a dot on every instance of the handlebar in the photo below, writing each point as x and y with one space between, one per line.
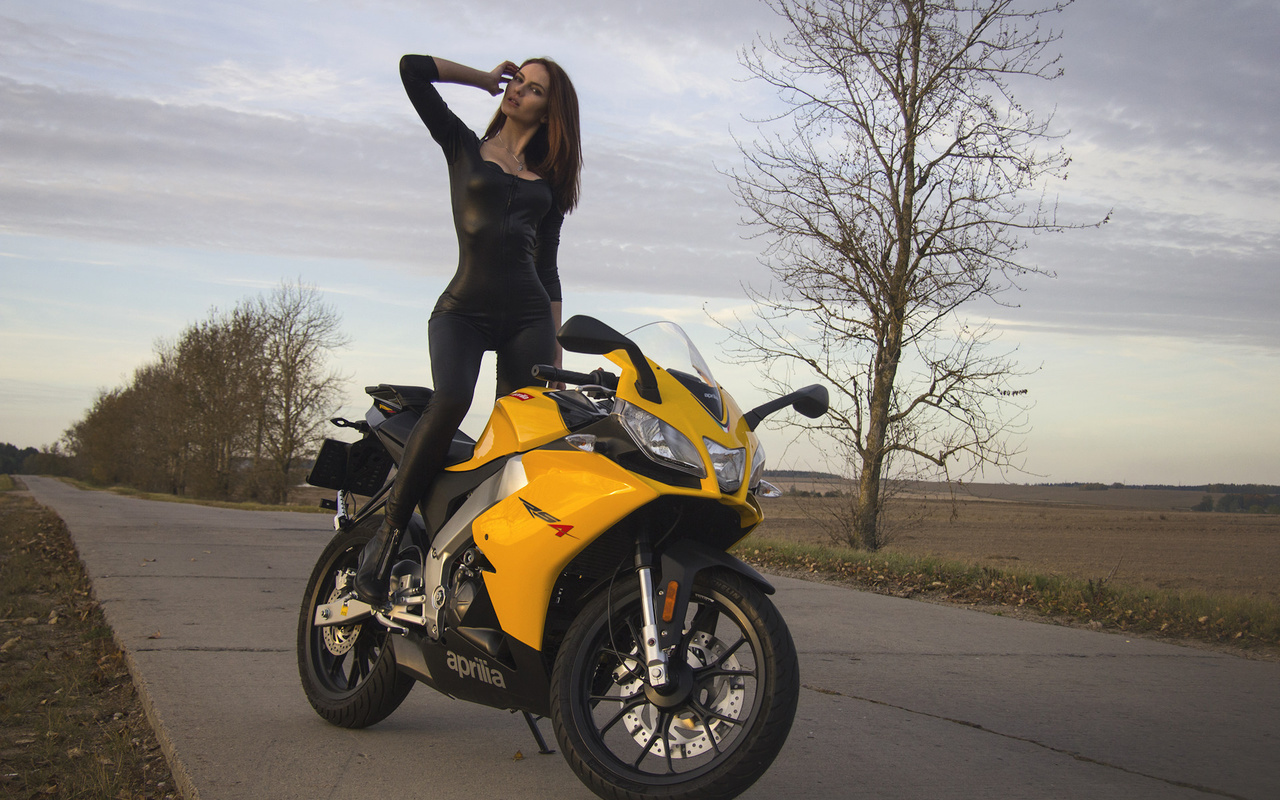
550 374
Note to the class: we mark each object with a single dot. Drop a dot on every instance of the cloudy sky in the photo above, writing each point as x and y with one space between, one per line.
159 158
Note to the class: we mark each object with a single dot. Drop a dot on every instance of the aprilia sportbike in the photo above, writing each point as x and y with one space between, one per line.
572 564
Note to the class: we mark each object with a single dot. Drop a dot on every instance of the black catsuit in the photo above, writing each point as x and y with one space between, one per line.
500 297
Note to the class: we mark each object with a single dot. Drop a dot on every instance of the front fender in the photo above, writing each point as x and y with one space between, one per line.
682 562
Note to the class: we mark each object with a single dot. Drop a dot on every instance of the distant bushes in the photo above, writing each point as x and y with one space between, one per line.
30 461
794 492
1240 504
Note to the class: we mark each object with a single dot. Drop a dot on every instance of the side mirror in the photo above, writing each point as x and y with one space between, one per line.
582 334
591 336
811 401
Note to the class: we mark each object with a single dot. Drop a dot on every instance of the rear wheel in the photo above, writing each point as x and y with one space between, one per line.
348 672
718 725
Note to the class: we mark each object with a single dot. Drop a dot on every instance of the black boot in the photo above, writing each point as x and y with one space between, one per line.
375 565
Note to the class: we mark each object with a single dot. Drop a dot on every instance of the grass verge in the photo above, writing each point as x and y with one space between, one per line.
1250 626
128 491
71 724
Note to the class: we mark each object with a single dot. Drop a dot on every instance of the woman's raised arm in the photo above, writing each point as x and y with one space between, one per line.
491 81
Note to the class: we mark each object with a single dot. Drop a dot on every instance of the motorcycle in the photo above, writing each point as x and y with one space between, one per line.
572 564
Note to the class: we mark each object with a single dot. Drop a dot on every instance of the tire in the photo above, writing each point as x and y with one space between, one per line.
715 742
348 673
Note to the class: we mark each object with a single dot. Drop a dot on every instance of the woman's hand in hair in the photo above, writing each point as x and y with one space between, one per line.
499 75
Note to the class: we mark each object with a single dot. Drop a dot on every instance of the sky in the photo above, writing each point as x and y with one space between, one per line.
163 158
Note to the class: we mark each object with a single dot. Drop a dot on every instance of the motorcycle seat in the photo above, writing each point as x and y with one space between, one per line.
403 396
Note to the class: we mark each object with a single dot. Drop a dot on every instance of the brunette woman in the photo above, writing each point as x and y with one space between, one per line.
510 191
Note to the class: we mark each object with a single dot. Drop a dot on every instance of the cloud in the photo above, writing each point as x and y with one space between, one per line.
1172 74
269 145
89 165
284 90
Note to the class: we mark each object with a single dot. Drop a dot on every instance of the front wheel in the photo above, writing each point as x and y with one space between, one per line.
348 671
717 727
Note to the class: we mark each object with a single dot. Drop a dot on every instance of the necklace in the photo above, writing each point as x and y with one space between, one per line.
519 161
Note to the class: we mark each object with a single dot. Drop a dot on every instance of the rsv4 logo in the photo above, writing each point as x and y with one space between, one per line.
476 668
554 522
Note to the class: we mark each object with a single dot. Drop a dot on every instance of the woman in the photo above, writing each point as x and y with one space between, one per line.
510 191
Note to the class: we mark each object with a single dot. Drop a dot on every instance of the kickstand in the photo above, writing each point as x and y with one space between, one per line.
537 734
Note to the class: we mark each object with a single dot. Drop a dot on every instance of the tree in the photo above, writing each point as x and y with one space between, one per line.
228 408
218 370
892 191
299 393
12 458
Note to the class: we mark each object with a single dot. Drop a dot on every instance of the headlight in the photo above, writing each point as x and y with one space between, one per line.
757 465
728 464
660 441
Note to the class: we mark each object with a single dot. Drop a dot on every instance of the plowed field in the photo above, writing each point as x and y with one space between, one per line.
1139 537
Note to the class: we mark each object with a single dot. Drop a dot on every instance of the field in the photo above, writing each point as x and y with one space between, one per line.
1144 538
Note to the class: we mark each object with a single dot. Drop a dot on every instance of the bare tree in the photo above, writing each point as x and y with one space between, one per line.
299 391
892 191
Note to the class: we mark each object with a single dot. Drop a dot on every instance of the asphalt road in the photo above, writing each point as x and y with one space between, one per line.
901 699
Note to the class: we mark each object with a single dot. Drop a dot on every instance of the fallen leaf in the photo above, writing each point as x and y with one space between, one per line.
518 756
155 635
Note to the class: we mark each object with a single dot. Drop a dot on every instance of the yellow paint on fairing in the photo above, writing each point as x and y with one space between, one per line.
682 410
520 421
584 490
587 491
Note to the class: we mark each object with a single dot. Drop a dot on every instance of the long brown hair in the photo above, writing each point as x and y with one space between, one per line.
555 152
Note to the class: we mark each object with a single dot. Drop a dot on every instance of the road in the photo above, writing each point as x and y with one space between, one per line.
901 699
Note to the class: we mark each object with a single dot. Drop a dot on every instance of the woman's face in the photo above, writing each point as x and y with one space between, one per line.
525 98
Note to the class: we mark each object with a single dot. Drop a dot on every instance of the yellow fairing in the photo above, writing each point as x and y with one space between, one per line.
572 496
681 409
520 421
585 494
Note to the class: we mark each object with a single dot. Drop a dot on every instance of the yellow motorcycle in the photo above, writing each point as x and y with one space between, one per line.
572 563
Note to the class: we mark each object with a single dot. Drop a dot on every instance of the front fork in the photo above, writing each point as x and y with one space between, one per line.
655 657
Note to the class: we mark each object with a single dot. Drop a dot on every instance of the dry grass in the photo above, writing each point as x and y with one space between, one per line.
1139 541
1129 559
71 724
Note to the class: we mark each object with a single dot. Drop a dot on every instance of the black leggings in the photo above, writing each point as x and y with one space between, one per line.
458 342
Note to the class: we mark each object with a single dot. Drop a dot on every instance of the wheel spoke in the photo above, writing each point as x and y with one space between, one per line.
703 710
658 730
625 661
635 645
727 653
354 676
667 747
633 701
706 726
335 667
714 672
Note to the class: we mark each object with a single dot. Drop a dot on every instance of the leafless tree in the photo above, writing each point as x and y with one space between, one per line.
899 184
300 392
